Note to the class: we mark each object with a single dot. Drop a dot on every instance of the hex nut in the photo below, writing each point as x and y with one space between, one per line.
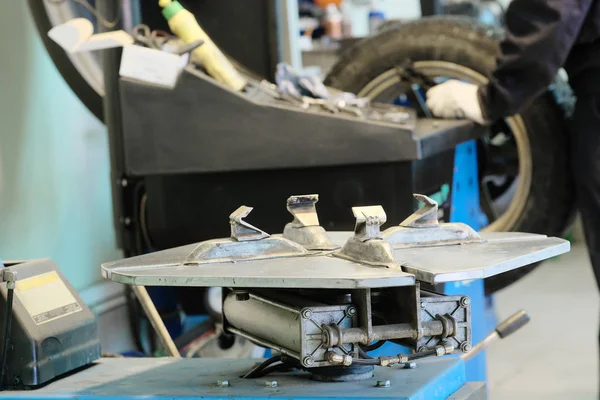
440 351
383 384
465 301
351 311
410 365
422 349
308 361
465 347
306 313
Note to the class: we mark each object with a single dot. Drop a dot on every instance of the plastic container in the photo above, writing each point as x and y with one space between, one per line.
376 17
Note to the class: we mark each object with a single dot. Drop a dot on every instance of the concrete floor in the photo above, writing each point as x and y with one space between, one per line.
556 355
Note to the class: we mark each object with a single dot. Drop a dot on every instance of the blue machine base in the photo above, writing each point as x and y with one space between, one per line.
175 379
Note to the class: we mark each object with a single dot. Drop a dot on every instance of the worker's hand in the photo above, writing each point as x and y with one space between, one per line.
455 99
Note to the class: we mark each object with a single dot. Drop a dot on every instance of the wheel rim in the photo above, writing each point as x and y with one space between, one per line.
511 202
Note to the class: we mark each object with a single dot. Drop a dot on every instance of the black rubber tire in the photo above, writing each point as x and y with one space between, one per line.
82 89
550 204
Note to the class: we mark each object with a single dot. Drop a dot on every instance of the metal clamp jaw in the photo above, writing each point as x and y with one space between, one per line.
305 229
247 242
423 228
367 246
241 230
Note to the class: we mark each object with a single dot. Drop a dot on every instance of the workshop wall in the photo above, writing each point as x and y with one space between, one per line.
54 165
358 11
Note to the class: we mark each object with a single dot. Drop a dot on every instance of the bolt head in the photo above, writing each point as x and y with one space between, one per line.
410 365
423 305
351 311
384 384
306 313
422 349
465 347
124 182
308 361
223 384
465 301
271 383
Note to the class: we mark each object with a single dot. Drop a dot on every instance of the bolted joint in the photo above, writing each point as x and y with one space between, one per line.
465 347
339 359
449 325
331 336
307 313
383 384
271 384
308 361
410 365
350 312
465 301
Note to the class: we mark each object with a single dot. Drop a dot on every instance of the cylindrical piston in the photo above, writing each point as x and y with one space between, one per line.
268 320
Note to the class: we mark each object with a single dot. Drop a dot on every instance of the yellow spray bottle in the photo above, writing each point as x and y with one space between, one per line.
184 24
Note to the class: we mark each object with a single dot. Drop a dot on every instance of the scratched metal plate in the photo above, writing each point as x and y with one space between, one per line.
499 253
166 268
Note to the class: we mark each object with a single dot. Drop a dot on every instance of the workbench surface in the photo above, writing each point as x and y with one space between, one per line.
168 378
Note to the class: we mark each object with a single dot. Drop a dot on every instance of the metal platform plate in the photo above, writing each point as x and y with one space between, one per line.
165 268
174 379
500 252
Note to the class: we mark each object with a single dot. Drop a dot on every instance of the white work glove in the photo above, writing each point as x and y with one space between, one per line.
455 99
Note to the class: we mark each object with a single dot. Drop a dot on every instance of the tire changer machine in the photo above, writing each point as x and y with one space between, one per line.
346 314
320 301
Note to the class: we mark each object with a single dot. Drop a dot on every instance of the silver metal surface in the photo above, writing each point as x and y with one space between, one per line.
305 229
450 312
367 245
384 384
368 222
479 347
426 216
500 252
240 229
232 250
420 248
295 272
156 321
335 336
422 228
293 324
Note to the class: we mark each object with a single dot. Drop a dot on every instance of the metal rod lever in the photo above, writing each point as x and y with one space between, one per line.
157 323
504 329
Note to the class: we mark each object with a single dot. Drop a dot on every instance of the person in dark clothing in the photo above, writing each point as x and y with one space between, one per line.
543 36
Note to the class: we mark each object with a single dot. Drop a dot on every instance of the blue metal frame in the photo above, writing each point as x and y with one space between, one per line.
465 207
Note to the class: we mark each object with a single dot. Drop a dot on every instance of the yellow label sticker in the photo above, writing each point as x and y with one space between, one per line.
46 297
